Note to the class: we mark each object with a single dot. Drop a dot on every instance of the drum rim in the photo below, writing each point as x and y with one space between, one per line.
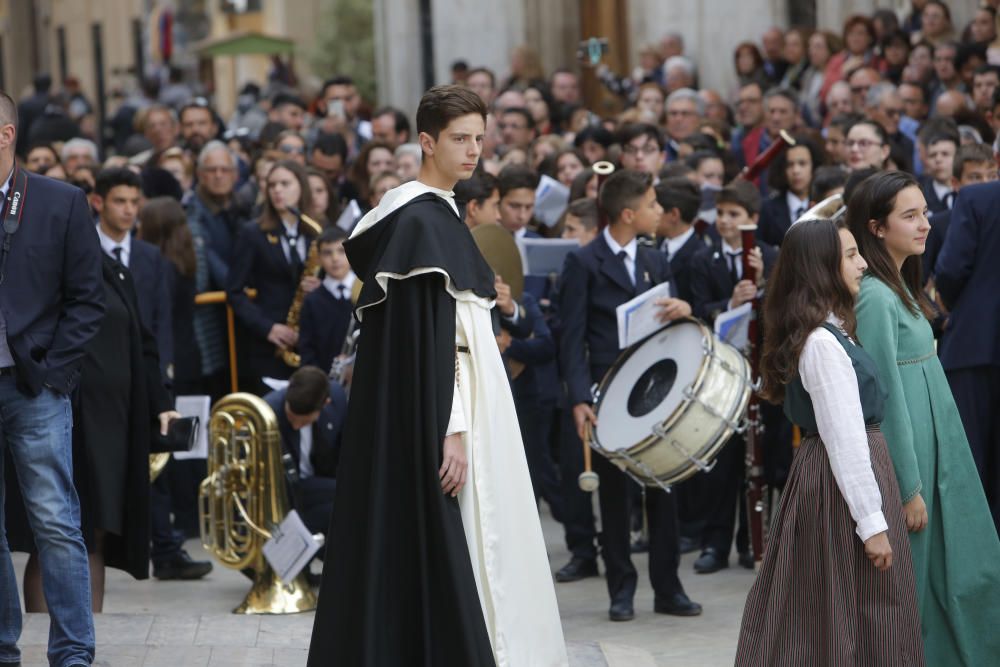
699 380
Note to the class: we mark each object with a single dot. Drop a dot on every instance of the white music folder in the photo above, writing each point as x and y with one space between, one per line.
637 318
733 326
291 547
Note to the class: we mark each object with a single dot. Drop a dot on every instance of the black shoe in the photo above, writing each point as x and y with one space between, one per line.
640 545
314 578
621 611
577 569
710 561
678 605
180 566
689 544
747 560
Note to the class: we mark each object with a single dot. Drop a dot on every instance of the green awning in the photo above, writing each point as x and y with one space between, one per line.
244 43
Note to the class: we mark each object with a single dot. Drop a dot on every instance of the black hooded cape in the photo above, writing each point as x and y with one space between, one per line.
398 586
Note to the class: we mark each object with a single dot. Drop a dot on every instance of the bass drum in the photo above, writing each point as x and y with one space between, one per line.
669 404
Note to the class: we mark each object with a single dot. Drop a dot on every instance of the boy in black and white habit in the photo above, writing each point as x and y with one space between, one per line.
439 547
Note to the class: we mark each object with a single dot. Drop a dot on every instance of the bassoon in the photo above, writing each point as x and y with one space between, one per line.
756 482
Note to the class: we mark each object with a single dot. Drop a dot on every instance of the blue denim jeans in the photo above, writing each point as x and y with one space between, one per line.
38 433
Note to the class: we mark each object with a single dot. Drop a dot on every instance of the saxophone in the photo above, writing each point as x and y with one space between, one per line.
311 268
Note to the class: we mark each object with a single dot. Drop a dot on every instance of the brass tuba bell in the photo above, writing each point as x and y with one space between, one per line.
243 496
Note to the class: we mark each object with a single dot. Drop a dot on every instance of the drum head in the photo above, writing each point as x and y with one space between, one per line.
647 385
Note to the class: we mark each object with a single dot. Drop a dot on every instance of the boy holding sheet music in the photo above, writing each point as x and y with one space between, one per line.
717 286
596 279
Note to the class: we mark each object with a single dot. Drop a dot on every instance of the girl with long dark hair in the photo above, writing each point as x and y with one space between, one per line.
956 553
269 256
836 585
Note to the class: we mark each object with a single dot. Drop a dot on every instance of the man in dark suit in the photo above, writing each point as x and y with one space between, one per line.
117 194
51 305
967 275
311 412
718 285
596 279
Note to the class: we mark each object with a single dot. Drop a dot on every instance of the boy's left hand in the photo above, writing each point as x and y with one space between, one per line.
671 309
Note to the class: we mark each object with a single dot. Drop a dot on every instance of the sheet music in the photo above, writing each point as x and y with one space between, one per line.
290 548
733 326
551 199
637 318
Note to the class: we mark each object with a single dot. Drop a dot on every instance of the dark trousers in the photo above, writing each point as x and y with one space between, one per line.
578 509
313 499
721 488
167 541
537 420
977 393
664 553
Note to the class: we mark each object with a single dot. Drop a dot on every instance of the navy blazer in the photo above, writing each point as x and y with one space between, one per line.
152 279
325 452
680 263
52 296
774 221
967 275
323 324
259 262
712 286
593 284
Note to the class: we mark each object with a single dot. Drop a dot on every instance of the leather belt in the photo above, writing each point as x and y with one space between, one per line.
462 348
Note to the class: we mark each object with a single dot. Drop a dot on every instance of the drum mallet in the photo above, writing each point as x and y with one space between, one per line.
588 480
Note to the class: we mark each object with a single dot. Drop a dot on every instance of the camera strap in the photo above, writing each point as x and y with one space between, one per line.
13 210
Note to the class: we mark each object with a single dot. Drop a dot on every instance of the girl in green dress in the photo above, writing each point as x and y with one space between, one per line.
956 553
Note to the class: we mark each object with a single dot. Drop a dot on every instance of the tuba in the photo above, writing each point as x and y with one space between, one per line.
311 268
243 496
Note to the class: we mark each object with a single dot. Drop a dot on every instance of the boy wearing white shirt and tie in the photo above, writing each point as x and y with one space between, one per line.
326 312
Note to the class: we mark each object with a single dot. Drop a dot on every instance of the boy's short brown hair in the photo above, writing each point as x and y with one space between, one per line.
332 234
741 193
442 104
622 190
308 389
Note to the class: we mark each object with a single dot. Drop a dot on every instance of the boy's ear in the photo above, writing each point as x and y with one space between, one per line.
426 143
754 218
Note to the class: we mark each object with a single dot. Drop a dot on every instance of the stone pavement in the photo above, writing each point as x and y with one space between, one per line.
173 624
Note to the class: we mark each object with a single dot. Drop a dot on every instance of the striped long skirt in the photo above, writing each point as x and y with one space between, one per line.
817 599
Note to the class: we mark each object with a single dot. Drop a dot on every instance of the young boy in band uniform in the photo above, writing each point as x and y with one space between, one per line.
718 285
596 279
326 312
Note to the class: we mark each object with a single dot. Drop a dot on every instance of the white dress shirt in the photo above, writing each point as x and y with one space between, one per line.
300 242
631 248
305 451
108 245
333 286
796 206
828 375
942 191
737 255
673 246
